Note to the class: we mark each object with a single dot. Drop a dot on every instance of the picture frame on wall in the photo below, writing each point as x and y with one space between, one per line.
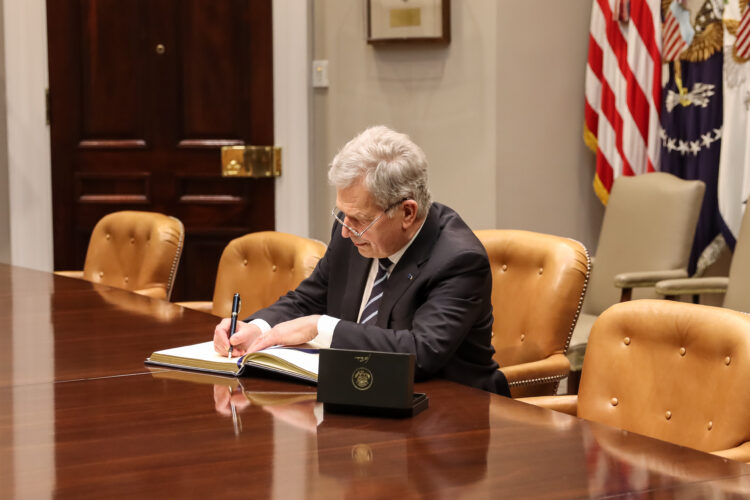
399 21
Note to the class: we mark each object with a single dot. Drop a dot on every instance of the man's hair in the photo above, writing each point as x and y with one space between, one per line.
390 165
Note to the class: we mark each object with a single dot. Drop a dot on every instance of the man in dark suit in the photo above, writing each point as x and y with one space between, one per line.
431 297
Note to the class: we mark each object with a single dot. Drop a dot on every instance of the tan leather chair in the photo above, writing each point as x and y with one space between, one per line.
646 236
262 267
538 284
735 287
137 251
670 370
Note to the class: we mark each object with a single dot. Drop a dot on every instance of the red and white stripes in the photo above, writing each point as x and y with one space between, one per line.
623 91
673 43
742 44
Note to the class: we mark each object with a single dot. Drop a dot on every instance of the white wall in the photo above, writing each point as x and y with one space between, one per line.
292 110
28 147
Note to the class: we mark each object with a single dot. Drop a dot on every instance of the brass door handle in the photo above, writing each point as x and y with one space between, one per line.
251 161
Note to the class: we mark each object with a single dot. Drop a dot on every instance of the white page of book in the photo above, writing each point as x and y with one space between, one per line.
205 352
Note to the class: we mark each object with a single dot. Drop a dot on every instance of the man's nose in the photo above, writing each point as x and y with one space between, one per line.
345 233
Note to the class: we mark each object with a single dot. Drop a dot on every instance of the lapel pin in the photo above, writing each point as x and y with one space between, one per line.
411 276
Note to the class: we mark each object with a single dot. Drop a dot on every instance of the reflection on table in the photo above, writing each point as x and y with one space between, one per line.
82 416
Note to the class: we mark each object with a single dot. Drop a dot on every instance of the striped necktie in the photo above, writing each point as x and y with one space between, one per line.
370 312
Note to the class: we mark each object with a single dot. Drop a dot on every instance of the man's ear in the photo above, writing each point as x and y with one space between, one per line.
410 213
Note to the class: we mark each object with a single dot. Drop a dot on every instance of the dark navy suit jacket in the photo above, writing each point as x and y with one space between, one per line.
436 303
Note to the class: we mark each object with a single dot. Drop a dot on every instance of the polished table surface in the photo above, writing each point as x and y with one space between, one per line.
82 416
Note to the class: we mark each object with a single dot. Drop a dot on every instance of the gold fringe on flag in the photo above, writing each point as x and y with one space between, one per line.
600 190
590 139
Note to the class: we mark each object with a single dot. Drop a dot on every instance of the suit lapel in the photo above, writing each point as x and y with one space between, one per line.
406 271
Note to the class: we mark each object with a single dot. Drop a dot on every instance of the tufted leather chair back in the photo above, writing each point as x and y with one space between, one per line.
262 267
538 285
670 370
137 251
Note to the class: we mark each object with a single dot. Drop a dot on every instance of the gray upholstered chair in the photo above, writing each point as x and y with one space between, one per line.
670 370
736 286
646 236
137 251
538 284
262 267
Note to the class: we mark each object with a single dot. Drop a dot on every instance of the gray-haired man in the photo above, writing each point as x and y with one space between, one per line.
430 298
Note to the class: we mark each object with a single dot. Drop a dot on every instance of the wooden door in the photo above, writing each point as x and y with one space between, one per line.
143 94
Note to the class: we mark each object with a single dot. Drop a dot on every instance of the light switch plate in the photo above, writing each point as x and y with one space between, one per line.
320 74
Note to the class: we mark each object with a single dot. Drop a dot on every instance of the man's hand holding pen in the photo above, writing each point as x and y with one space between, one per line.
241 341
248 337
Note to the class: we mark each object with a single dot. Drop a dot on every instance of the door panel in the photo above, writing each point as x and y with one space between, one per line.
143 94
108 86
203 48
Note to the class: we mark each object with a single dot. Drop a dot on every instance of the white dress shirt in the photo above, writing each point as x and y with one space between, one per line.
326 324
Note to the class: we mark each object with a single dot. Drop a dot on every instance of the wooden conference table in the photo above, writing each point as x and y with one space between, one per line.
82 416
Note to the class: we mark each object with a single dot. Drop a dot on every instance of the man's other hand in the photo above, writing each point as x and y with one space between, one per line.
293 332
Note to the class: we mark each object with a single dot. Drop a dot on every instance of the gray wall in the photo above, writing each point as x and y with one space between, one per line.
499 111
544 170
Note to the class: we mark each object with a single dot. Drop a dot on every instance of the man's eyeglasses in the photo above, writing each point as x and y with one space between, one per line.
359 234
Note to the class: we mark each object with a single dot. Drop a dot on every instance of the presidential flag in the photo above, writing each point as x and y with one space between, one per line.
691 117
623 89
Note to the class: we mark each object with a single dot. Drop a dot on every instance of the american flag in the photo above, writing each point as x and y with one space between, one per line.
742 44
673 42
623 89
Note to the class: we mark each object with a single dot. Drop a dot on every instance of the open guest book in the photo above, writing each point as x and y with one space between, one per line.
299 362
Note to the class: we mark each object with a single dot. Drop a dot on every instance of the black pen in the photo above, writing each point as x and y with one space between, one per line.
233 325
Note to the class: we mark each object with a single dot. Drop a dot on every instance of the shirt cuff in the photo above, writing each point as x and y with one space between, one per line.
262 324
326 325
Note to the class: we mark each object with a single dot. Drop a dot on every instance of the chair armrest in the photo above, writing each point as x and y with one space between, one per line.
153 292
693 286
564 404
205 306
70 274
740 453
550 369
644 279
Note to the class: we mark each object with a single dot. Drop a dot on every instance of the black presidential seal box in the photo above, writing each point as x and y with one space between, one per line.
370 383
